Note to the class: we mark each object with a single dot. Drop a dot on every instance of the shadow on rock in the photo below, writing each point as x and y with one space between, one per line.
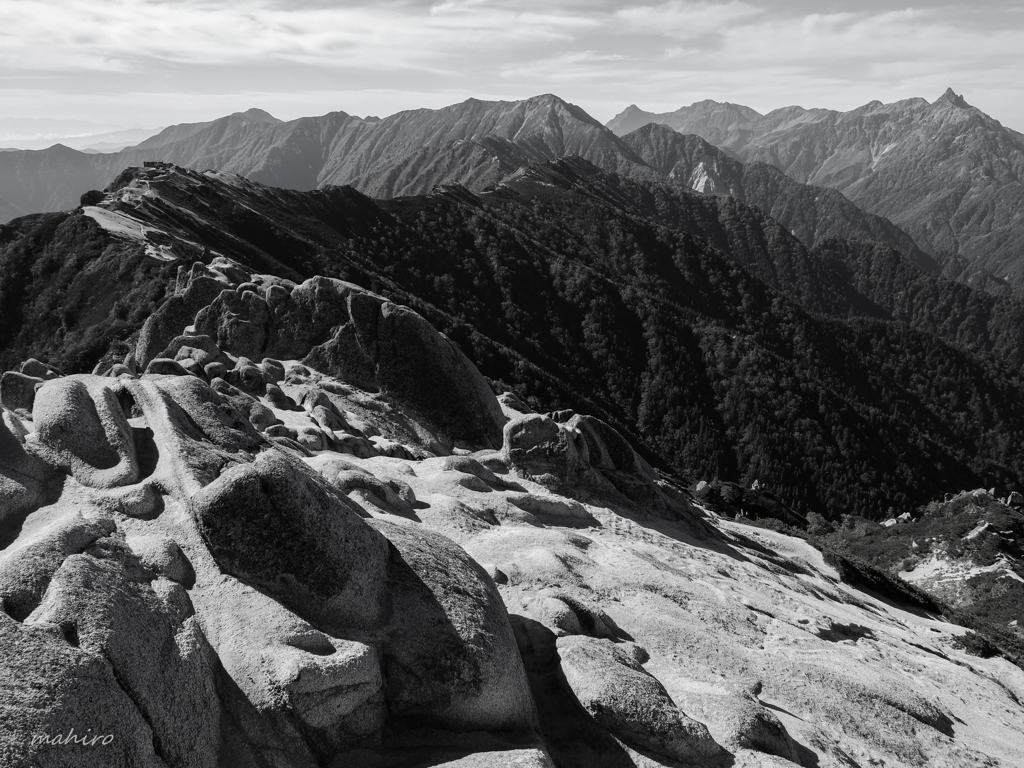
573 737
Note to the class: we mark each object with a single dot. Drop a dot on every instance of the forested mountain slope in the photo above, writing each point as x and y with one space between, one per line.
631 300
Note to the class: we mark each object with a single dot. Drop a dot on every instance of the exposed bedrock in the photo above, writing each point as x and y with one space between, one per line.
630 702
274 537
22 475
109 649
340 329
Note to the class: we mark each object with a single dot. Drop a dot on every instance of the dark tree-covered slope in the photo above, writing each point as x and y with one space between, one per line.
68 290
585 290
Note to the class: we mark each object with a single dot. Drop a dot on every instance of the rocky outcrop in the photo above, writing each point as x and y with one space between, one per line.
334 327
82 428
449 655
196 288
159 516
582 456
18 391
538 447
755 727
276 525
22 476
627 700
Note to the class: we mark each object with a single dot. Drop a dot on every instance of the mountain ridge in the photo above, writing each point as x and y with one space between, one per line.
945 172
672 313
475 143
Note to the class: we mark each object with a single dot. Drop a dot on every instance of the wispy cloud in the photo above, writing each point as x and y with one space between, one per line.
686 20
129 33
180 58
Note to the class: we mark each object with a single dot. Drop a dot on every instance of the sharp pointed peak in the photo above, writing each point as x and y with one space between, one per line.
957 100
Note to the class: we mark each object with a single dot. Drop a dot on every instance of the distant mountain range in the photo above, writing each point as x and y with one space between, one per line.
945 172
111 141
40 133
476 144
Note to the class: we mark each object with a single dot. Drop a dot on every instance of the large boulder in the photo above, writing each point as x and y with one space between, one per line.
277 525
630 702
450 657
241 321
82 429
201 349
162 366
393 497
216 418
195 289
536 446
748 725
18 392
50 690
108 604
311 690
27 567
607 449
566 614
111 656
185 434
422 368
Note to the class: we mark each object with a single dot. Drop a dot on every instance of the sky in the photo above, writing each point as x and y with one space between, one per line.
151 63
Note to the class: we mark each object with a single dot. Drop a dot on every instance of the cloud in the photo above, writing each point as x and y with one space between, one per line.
314 55
686 20
126 34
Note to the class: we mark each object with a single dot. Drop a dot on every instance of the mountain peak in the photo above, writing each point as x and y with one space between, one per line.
545 98
259 115
953 98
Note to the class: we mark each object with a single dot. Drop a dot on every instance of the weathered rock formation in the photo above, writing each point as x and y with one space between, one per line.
198 568
294 528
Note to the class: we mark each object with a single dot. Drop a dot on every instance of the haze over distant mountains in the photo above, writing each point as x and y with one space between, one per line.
945 172
41 133
40 127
